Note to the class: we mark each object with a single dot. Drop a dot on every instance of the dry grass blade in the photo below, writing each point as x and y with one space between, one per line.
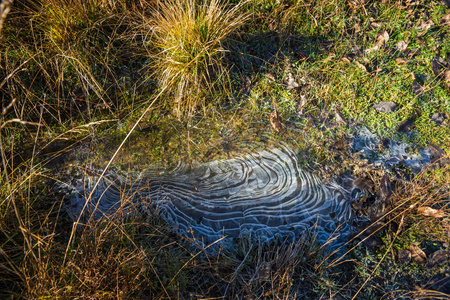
186 47
5 7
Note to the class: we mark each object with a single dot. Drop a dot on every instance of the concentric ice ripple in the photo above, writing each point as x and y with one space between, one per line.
265 194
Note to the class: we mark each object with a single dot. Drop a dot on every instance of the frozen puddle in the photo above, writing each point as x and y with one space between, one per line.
263 194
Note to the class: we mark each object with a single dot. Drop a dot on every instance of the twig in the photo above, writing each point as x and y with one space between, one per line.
5 7
19 121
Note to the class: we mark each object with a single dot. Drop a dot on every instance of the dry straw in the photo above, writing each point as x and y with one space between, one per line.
186 47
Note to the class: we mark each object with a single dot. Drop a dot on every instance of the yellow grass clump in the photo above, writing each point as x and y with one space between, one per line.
187 47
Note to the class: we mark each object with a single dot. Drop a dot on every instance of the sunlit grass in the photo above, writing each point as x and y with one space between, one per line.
186 48
68 66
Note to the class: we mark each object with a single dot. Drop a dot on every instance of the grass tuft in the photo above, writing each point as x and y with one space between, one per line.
186 48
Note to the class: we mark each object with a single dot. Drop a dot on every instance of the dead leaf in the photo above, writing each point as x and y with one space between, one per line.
437 64
339 117
411 52
439 257
431 212
346 60
370 50
301 103
385 191
289 82
401 61
270 76
447 76
375 25
276 121
445 20
364 183
402 45
437 155
417 255
404 257
424 26
382 38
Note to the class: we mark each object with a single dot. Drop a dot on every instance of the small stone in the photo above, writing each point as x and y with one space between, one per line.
406 125
437 118
385 107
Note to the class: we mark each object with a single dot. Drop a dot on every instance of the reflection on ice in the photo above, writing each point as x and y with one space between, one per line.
265 194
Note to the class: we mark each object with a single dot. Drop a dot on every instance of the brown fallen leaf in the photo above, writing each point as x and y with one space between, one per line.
439 257
375 25
404 257
289 82
411 52
339 118
382 38
424 25
437 155
385 191
402 45
445 20
276 121
417 255
346 60
374 48
270 76
446 76
301 103
401 61
437 64
364 183
431 212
